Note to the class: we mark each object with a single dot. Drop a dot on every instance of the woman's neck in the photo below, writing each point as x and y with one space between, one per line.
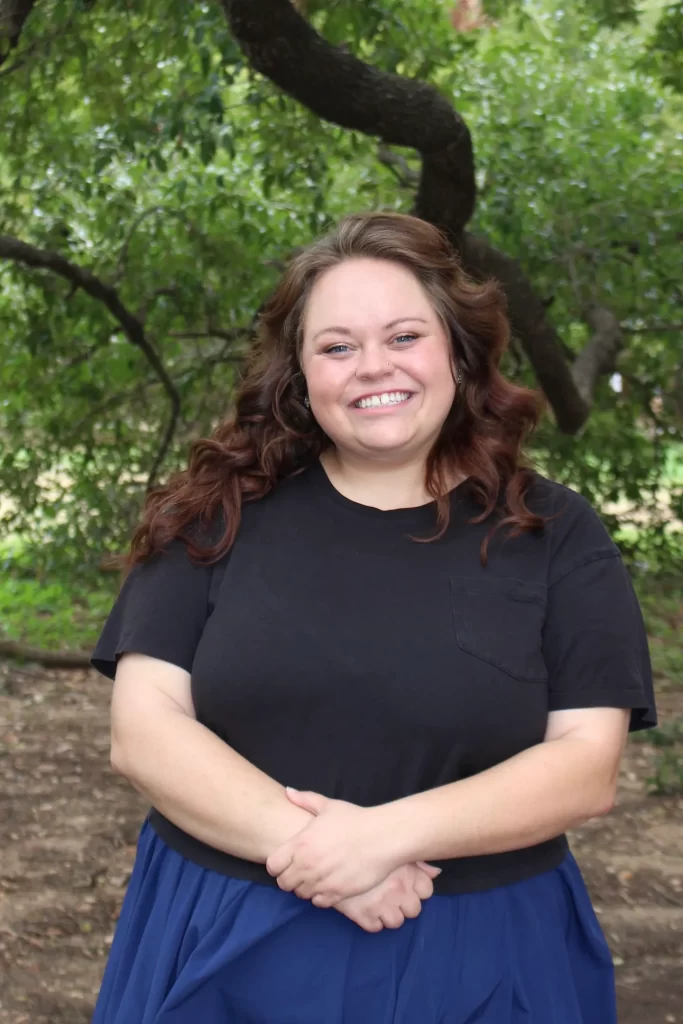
379 484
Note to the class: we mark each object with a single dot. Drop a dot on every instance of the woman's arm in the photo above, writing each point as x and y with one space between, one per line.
187 772
200 784
531 797
534 796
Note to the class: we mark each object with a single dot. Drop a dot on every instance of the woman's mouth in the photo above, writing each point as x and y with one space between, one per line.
383 400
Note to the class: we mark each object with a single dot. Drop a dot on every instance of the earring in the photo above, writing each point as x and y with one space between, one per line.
307 402
458 379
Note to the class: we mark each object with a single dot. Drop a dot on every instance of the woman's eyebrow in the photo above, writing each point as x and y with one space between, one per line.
347 331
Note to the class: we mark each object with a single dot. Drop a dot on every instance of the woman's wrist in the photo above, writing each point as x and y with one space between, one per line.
285 821
399 833
394 834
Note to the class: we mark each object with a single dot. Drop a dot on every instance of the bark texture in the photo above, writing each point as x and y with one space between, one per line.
13 15
342 89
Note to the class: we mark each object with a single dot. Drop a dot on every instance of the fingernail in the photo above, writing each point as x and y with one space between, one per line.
290 789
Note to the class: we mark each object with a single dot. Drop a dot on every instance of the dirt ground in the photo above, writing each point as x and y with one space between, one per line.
68 829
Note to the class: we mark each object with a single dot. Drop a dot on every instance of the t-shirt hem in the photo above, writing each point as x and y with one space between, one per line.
459 876
106 664
644 715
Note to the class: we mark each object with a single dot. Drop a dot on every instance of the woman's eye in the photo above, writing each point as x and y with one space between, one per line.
405 337
336 348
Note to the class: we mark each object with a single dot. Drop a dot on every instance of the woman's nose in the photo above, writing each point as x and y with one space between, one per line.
374 361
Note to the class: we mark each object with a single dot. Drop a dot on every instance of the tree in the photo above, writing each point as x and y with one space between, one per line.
165 159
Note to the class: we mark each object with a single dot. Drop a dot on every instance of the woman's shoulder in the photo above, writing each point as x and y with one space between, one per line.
551 497
576 531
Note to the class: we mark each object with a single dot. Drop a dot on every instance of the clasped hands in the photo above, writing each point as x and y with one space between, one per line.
344 859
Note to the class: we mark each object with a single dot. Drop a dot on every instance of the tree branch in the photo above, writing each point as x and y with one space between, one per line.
13 16
225 334
568 387
537 336
406 175
40 47
338 87
51 659
43 259
652 329
598 356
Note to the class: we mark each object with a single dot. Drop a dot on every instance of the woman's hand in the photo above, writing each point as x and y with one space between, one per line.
388 905
343 852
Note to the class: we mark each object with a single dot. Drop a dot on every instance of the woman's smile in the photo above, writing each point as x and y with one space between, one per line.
382 401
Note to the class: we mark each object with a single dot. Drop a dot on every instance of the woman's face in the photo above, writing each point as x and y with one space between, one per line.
377 361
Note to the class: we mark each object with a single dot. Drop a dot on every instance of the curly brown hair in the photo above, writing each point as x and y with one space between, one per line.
272 435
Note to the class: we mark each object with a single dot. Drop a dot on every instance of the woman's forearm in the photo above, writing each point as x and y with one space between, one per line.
207 789
532 797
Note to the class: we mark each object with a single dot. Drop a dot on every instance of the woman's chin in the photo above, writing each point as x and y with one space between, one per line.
389 442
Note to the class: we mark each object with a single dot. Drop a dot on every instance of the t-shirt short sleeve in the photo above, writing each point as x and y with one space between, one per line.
161 611
595 644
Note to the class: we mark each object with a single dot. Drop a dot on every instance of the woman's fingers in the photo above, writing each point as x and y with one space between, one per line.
370 924
411 906
423 885
360 913
429 869
391 917
390 904
290 881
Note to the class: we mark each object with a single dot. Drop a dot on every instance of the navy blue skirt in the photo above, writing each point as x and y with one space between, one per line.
195 947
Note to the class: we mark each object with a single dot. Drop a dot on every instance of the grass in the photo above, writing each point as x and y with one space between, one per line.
52 615
667 779
661 598
47 610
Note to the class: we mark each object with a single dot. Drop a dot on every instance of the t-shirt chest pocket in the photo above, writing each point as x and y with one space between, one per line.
500 621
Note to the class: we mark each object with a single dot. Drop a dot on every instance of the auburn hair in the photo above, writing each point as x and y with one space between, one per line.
272 434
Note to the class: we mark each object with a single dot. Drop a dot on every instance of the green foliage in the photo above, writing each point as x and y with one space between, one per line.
667 778
661 598
664 52
51 612
52 616
140 145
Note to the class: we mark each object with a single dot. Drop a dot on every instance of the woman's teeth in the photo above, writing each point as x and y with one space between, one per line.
388 398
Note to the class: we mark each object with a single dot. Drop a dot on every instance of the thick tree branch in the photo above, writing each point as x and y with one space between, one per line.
406 175
13 16
51 659
568 387
338 87
43 259
539 339
598 356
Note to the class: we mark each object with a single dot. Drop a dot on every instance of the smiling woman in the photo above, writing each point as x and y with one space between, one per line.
384 394
359 590
392 288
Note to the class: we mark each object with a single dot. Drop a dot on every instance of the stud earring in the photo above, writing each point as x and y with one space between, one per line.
307 402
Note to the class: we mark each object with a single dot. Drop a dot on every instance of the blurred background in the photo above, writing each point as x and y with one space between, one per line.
160 162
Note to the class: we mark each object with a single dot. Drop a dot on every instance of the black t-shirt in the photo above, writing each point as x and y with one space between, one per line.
339 655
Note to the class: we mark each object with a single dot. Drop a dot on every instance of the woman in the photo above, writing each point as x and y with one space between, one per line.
358 592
